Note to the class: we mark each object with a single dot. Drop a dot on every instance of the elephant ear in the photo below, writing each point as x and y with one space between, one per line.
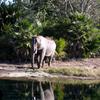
38 42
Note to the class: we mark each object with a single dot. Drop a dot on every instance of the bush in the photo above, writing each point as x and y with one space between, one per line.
93 45
77 30
61 44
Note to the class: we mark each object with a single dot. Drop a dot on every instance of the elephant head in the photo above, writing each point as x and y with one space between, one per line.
34 45
34 49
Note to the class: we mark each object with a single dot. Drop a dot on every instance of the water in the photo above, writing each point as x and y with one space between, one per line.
35 90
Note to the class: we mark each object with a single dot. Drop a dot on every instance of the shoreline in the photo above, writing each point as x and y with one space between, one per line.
58 71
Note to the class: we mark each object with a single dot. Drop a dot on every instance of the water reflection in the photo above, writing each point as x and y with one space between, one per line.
35 90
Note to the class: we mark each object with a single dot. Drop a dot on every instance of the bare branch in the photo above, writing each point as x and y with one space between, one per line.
71 6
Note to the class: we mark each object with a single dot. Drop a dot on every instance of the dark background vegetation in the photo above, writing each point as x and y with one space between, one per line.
73 24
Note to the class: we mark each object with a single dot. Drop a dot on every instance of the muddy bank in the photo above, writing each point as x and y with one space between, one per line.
83 69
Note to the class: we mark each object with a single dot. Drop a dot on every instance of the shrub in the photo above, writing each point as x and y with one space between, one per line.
76 30
61 44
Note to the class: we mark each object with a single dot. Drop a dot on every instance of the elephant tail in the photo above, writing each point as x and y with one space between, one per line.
56 53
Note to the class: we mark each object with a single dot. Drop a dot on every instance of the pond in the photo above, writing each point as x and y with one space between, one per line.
39 90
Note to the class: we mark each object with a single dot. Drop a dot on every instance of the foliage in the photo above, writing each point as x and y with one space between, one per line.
79 32
76 32
61 43
94 44
15 33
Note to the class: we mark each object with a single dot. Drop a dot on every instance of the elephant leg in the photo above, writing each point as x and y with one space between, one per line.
43 62
42 58
38 61
33 56
49 62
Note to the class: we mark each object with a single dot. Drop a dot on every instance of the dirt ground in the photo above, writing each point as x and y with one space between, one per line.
91 62
25 70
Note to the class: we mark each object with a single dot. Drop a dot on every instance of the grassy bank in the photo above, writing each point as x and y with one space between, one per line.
74 71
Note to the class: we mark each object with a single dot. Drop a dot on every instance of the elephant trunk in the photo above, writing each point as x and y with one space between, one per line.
33 60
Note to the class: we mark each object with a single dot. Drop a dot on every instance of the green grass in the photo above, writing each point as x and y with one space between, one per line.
74 71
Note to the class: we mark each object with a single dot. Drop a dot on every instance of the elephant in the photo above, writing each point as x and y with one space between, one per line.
47 93
42 48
